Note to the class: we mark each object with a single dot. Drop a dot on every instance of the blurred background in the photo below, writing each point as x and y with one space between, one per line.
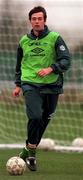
65 17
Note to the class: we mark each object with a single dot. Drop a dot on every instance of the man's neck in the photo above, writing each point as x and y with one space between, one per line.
36 33
40 33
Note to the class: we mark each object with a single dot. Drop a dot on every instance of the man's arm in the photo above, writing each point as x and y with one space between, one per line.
18 66
17 89
63 57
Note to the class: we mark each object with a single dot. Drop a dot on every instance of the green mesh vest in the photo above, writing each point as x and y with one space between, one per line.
38 54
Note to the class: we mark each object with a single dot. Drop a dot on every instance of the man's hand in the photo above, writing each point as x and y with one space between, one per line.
45 71
16 91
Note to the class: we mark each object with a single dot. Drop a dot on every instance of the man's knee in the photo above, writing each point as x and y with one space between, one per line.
36 116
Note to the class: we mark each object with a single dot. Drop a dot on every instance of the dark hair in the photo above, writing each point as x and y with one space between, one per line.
36 10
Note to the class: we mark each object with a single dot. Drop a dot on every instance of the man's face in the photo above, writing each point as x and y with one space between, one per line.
37 21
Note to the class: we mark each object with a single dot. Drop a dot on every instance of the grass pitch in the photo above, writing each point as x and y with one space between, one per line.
51 166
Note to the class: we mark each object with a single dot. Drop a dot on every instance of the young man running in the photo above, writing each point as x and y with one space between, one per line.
42 59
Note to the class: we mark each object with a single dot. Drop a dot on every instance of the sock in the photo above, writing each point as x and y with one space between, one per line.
32 152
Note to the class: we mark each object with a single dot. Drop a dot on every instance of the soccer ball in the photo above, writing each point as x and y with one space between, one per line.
78 142
15 166
46 144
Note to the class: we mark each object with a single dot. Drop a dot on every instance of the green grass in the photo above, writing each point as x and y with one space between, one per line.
50 166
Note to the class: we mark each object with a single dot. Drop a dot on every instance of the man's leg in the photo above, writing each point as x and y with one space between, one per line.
49 107
33 102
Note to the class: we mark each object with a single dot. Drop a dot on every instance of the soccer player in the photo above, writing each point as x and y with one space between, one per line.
42 59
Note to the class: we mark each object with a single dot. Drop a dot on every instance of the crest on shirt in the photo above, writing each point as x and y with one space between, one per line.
62 48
